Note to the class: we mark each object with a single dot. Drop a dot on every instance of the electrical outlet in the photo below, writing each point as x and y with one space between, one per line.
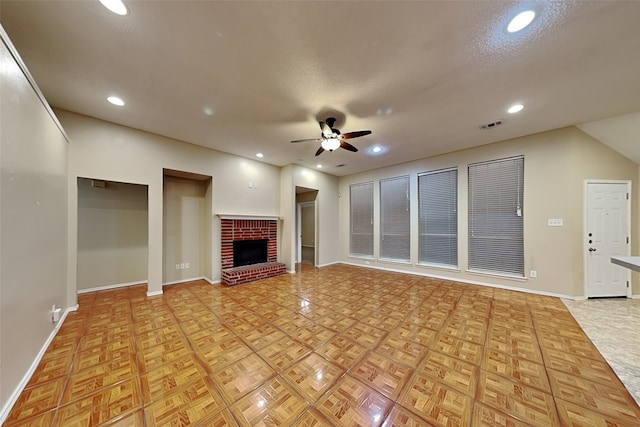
186 265
533 274
182 266
177 266
555 222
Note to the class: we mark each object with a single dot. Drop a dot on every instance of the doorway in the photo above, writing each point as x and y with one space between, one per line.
306 241
606 234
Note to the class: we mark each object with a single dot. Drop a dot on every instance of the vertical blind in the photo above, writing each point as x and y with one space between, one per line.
438 217
361 202
496 241
395 219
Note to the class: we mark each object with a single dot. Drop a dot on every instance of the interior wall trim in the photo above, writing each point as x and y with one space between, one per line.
4 412
16 56
470 282
107 287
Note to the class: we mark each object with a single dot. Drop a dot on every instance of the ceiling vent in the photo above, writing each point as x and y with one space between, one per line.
491 125
341 165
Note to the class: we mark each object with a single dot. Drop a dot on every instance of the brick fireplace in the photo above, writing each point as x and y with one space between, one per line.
242 228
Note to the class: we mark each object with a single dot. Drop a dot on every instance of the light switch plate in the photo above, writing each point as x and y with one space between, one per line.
555 222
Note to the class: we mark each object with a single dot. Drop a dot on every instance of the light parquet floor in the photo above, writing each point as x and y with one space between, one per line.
337 346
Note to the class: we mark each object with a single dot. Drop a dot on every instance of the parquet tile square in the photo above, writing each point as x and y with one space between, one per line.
486 416
525 403
94 378
594 370
273 404
166 352
262 336
259 354
382 374
312 418
313 336
365 335
611 402
436 403
404 351
283 353
100 355
51 369
241 377
37 400
450 371
220 355
463 350
190 405
401 417
519 370
342 351
417 334
102 406
164 380
574 415
351 403
312 376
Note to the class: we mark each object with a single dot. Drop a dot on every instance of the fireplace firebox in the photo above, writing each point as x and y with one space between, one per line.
247 252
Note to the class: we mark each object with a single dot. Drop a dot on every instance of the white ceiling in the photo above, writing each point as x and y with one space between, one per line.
423 76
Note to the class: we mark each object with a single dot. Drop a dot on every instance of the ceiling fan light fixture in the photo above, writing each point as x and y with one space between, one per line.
521 21
330 144
115 6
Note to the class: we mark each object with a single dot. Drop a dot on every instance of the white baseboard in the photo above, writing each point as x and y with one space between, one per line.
4 412
191 279
107 287
328 264
154 293
470 282
635 296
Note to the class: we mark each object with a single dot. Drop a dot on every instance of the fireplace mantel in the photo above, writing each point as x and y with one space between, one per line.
249 217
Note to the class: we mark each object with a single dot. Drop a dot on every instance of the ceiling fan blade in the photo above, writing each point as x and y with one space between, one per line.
347 146
307 140
320 151
325 128
356 134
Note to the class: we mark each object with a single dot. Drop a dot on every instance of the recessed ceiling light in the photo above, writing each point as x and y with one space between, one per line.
115 6
115 101
376 149
259 155
515 108
520 21
319 166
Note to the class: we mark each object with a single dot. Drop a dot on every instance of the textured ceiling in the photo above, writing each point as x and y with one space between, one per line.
248 77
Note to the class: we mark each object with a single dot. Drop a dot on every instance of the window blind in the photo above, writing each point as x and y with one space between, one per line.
438 217
394 219
361 202
496 241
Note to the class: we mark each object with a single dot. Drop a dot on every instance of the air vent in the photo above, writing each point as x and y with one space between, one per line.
340 165
491 125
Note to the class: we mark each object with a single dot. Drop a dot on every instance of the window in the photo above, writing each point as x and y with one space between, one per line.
438 217
394 218
496 241
361 196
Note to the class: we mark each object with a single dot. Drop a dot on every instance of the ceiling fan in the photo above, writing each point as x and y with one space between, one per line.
332 139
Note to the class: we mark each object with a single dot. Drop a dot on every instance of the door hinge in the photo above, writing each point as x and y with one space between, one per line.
627 283
627 196
627 240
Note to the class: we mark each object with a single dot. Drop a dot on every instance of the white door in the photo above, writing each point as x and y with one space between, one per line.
607 234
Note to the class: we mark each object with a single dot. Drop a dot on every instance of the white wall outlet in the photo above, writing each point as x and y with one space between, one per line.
555 222
186 265
177 266
182 266
533 274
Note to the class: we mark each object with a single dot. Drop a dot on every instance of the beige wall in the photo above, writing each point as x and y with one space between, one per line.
556 165
185 238
111 152
112 234
33 224
326 211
